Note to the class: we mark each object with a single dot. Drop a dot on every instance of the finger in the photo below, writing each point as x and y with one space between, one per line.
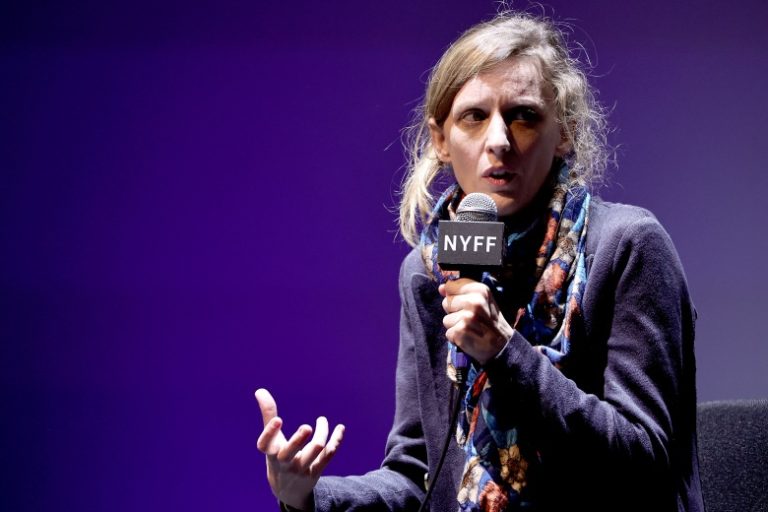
329 451
453 285
447 303
461 324
451 319
268 442
453 302
314 447
266 404
474 302
289 450
464 285
463 319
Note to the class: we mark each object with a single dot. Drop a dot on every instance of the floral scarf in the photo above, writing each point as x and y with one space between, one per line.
498 464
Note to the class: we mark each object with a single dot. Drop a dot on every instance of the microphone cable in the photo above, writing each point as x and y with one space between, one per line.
458 389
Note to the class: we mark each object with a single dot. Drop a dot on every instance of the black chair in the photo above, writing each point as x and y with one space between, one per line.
733 455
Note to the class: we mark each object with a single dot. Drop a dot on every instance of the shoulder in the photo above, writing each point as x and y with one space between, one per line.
413 263
628 241
605 213
608 221
617 228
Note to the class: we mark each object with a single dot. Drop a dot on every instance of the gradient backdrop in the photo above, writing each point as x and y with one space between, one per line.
194 202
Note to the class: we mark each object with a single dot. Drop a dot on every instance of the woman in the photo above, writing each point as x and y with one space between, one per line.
581 389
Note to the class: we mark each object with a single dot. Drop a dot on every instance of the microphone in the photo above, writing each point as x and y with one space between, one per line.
472 244
477 207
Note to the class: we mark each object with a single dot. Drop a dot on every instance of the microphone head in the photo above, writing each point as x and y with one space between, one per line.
477 207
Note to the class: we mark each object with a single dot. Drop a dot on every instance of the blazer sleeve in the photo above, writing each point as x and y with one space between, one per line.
638 324
399 483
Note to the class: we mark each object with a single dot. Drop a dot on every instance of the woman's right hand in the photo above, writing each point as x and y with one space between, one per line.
294 467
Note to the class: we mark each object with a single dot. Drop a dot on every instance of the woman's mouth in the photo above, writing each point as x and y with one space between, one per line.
498 176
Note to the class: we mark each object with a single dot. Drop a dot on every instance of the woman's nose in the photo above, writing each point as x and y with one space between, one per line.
497 136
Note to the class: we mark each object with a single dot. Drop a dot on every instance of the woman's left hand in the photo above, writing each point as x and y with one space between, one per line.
473 320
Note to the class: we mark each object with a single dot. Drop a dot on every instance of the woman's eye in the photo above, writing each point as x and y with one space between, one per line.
524 114
473 116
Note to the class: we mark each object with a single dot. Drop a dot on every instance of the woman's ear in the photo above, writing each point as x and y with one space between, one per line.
437 134
565 146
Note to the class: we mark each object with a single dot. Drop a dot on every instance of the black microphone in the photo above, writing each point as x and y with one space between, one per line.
472 244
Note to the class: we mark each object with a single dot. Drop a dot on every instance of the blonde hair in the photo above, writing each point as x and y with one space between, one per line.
509 34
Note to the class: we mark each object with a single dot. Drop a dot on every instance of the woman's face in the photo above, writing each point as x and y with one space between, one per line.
502 134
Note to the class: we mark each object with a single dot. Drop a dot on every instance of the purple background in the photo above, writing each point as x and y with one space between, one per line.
195 203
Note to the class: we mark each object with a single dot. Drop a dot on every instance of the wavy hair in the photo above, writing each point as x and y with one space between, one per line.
509 34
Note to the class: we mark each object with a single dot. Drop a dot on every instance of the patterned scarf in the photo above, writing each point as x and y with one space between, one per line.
498 464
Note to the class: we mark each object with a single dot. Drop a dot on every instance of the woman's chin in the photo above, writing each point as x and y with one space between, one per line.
506 205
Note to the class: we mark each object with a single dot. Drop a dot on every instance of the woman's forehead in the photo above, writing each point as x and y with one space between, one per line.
514 78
